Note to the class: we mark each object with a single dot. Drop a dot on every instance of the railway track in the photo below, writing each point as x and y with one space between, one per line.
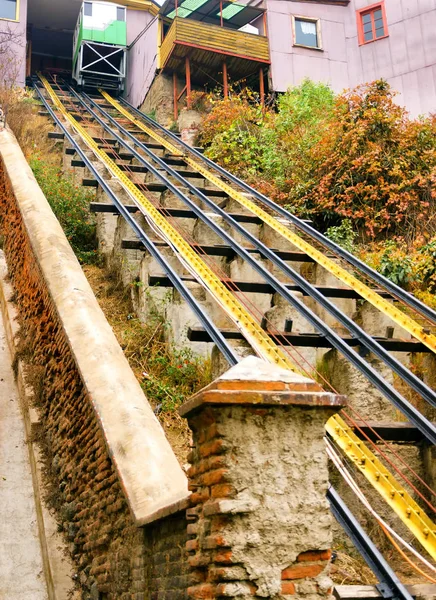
106 132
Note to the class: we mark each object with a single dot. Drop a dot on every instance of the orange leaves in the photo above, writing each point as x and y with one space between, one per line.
356 156
380 165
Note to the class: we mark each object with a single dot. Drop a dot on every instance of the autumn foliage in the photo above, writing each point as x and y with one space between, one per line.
357 156
376 166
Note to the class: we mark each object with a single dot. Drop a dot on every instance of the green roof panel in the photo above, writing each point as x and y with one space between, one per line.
230 11
207 11
193 4
181 12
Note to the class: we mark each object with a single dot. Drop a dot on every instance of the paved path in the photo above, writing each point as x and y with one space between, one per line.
21 575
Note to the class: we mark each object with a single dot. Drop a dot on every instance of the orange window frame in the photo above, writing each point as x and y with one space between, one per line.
370 10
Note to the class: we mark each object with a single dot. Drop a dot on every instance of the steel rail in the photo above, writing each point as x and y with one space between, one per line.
227 351
366 340
390 586
419 524
139 155
382 281
243 319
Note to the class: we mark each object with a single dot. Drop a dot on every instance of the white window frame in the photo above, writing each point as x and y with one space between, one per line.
17 14
318 32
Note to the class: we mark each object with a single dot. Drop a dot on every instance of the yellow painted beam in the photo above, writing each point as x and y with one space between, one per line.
385 483
398 316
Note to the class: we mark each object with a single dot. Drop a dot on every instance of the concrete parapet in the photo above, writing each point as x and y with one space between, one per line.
260 523
132 432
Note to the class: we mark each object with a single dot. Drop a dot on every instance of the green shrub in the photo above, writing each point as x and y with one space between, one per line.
395 264
426 265
343 235
70 203
173 375
269 147
170 373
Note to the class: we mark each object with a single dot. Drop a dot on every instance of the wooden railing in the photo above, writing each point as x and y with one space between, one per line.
188 32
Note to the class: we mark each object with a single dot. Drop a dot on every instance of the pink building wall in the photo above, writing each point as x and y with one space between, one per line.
17 53
141 56
406 58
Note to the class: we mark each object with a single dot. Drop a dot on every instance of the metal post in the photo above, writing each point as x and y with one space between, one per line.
225 80
261 87
188 82
176 112
221 12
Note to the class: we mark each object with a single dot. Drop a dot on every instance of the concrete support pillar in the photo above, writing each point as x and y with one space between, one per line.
260 525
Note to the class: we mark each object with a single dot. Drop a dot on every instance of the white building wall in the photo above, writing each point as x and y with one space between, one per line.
406 58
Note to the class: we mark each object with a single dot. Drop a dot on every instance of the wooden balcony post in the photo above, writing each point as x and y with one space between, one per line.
175 99
188 82
225 80
261 87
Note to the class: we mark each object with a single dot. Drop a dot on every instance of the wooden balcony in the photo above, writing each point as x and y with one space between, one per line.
208 45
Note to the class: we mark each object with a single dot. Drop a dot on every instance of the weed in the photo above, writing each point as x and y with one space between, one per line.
70 203
152 115
168 374
343 235
31 129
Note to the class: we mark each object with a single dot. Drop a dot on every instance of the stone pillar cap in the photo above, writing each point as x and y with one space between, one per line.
257 382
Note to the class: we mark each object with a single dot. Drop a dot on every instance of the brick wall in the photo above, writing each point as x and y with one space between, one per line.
115 559
168 566
91 505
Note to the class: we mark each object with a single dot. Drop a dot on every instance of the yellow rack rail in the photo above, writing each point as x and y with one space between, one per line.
385 483
363 290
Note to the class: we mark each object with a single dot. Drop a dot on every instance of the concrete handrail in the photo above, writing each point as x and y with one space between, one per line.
146 465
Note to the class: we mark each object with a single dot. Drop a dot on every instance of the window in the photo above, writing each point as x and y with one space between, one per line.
121 14
87 9
371 23
307 32
8 10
